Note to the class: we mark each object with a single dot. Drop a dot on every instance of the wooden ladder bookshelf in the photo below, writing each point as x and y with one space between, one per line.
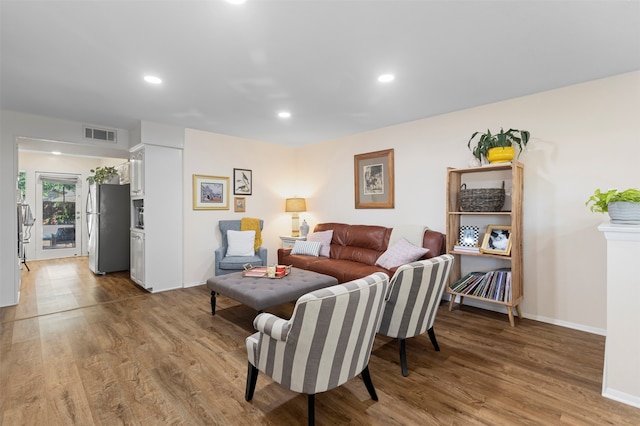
512 217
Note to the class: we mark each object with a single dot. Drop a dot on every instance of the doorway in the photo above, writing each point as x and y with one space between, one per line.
58 233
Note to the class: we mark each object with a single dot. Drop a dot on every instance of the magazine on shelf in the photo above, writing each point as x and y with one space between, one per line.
495 285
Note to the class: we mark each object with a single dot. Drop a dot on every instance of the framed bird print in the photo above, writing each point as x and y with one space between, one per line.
242 181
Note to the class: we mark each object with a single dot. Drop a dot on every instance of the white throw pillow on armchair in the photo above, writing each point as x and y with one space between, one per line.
240 243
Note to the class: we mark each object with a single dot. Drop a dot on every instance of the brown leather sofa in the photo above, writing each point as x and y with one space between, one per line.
354 251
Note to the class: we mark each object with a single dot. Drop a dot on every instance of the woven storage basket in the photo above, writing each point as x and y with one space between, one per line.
481 199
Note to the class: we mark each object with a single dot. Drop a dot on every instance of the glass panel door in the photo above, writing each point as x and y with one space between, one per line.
58 199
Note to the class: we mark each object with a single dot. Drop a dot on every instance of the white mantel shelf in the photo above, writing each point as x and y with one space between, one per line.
616 231
621 377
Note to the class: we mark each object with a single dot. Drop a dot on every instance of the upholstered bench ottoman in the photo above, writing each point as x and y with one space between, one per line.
261 293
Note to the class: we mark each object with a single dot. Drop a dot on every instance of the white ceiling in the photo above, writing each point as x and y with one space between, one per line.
230 69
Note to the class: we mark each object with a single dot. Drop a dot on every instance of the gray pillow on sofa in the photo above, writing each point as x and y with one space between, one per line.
324 238
400 253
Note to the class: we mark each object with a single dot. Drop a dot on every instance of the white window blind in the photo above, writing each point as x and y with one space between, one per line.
59 178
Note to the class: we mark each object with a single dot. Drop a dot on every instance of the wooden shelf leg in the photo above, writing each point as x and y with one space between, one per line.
510 312
519 312
452 300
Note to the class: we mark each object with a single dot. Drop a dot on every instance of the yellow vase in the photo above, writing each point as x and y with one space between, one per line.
501 154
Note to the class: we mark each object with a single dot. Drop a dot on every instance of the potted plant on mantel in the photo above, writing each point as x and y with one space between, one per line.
499 147
103 175
622 206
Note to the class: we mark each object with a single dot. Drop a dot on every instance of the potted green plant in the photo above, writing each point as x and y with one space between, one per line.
622 206
498 147
102 174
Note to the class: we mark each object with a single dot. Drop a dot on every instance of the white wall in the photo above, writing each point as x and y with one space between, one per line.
584 137
274 180
9 269
46 133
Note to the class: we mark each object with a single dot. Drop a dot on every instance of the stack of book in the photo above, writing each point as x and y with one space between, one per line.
494 285
466 249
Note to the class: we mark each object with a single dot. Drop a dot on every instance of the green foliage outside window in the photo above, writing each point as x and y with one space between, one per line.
22 185
58 204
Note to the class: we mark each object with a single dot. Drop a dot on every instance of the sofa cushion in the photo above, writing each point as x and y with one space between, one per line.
324 237
400 253
296 260
241 243
435 242
343 270
358 243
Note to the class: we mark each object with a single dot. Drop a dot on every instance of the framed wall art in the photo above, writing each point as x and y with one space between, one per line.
239 204
210 192
469 236
374 183
497 240
242 181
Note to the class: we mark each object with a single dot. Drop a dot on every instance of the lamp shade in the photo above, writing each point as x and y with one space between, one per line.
294 205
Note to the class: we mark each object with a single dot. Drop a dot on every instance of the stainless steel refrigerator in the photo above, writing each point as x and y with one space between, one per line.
108 217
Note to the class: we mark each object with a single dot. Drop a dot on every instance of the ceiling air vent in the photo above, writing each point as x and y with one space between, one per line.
102 135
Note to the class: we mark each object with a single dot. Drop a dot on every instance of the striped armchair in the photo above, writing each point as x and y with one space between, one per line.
326 342
415 293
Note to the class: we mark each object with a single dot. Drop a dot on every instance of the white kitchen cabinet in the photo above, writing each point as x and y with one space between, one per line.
137 171
137 257
157 258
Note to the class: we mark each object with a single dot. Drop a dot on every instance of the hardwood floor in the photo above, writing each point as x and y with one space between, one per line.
87 350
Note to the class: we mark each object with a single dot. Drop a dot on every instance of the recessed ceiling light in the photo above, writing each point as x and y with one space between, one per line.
284 114
152 79
236 1
56 152
385 78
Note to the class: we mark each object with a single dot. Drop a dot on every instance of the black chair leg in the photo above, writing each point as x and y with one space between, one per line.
366 377
213 303
311 408
252 378
432 336
403 357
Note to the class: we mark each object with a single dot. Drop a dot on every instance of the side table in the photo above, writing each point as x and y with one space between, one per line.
288 241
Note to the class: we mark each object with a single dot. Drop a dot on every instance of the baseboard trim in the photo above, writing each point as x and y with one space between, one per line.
623 397
194 284
503 310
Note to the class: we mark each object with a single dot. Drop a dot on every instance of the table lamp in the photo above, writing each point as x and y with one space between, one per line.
295 205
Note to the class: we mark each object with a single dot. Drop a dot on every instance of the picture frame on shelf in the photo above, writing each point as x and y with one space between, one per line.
497 240
242 181
469 236
374 180
239 204
210 192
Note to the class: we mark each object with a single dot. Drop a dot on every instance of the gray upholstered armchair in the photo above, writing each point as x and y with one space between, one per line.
227 264
326 342
415 293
